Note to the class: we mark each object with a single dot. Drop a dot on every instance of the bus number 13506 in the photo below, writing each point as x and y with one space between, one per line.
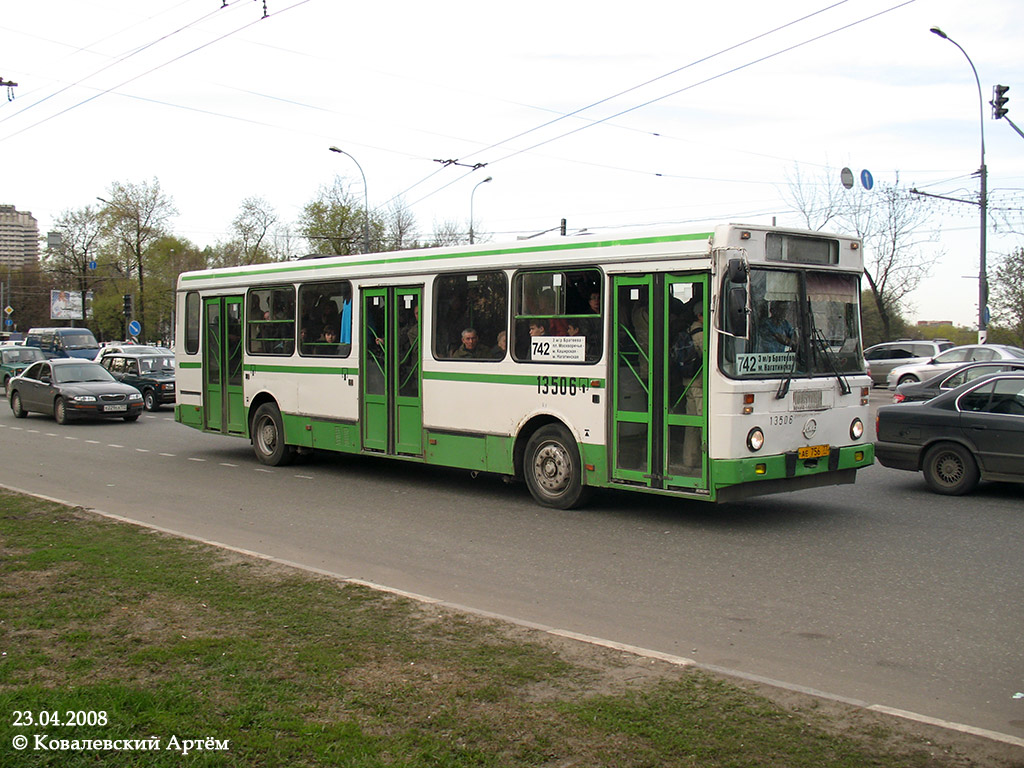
561 385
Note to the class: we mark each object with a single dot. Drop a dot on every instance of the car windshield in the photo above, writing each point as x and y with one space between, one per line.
79 340
26 355
80 372
803 324
156 364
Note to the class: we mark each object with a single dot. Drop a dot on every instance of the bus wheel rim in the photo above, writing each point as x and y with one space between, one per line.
552 468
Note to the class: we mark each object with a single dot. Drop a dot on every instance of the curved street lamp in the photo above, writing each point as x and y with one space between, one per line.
366 199
489 178
983 174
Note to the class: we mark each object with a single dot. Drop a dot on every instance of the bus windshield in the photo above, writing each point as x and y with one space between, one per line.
801 324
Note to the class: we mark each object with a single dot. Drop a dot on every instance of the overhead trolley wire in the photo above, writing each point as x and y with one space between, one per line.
600 121
151 69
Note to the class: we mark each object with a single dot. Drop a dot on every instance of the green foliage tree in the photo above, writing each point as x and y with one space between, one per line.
333 222
1006 291
135 217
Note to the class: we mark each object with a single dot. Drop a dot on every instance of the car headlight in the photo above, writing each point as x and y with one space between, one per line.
857 429
755 439
135 396
84 399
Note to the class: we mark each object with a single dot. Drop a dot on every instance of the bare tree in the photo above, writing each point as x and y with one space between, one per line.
818 200
448 232
889 220
252 227
81 241
399 227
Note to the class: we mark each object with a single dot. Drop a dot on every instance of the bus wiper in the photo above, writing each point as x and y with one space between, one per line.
830 358
784 384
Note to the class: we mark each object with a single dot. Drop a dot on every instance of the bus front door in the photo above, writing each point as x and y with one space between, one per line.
659 422
392 404
223 399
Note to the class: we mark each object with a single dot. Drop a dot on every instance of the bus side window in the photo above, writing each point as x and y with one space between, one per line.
470 302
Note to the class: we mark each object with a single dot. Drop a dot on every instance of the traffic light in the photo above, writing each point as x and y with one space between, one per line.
999 99
127 305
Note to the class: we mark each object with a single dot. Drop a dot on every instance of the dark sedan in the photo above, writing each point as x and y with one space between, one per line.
936 385
70 388
973 432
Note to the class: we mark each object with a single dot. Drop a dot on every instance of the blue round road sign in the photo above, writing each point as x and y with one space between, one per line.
866 179
134 328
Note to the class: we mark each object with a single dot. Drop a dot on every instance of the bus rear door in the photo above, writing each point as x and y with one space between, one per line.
223 399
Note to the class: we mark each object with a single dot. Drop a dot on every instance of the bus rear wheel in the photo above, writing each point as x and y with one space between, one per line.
268 437
554 473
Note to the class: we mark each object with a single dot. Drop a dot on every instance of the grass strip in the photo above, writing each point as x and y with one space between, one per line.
178 641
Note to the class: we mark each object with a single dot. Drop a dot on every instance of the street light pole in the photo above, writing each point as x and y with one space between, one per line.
489 178
366 199
983 174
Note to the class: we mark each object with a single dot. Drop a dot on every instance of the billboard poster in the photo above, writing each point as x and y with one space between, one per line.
65 305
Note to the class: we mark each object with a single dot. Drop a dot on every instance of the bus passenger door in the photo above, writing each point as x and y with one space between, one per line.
223 398
659 420
392 407
684 432
631 379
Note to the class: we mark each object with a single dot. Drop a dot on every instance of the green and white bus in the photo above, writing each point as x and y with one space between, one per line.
566 362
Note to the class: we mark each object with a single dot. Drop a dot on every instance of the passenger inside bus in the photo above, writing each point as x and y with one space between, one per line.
470 347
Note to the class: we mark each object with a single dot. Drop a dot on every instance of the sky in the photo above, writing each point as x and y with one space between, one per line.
611 116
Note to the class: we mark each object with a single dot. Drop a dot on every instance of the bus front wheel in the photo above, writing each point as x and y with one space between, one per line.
554 473
268 437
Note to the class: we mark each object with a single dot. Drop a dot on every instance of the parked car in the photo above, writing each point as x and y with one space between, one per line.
882 358
950 359
973 432
117 347
63 342
152 375
69 388
15 359
926 390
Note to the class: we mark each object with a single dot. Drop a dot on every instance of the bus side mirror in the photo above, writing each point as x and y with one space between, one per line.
736 311
737 271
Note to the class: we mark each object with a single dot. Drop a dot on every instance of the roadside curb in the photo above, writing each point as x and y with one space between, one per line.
639 651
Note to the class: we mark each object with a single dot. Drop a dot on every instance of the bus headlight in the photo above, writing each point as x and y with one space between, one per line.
755 439
857 429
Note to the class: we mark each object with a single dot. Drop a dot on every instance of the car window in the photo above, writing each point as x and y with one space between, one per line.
1008 397
953 356
970 374
35 372
923 350
1016 352
981 353
877 354
902 353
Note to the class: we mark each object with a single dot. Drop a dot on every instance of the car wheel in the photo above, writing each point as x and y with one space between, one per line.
554 473
7 380
268 437
950 469
60 411
149 400
16 406
908 379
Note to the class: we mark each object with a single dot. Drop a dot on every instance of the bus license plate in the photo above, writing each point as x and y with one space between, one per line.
115 408
813 452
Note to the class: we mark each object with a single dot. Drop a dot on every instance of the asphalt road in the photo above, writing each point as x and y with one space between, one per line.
881 591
